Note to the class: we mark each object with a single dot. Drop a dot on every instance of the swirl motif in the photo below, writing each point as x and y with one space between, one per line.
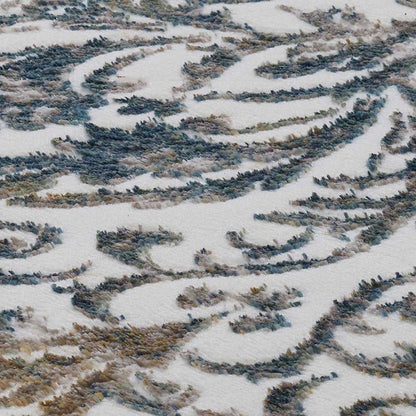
232 188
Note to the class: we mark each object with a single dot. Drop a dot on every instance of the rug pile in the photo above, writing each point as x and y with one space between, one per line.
207 208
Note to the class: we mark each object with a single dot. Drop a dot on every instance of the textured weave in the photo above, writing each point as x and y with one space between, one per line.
207 208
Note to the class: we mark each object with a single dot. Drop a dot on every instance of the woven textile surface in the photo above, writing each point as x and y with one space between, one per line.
207 208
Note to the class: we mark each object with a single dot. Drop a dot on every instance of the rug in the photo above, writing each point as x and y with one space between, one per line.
207 207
